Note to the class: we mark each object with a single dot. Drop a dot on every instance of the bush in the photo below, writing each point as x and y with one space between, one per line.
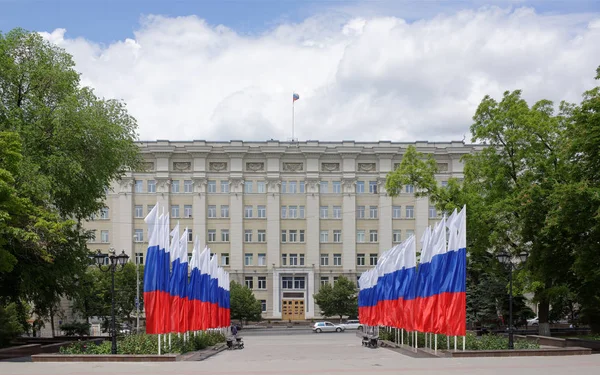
10 326
76 329
147 344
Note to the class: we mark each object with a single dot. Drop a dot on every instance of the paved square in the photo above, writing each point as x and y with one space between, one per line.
318 354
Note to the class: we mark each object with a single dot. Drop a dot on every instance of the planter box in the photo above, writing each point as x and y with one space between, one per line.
520 353
103 358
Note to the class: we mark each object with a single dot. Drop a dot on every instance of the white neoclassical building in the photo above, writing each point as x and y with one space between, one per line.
282 217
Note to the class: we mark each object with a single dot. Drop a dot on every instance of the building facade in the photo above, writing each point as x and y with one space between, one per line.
282 217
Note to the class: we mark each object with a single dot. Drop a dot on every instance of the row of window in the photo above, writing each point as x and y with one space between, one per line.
251 187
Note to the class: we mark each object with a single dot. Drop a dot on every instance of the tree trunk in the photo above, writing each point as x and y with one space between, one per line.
543 312
52 322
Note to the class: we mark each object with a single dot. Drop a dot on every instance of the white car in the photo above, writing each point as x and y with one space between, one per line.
533 322
351 324
319 327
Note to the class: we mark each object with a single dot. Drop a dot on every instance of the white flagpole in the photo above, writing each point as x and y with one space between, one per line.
159 344
293 115
402 344
455 343
464 337
435 351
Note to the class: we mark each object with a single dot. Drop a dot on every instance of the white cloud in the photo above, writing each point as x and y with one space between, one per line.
362 78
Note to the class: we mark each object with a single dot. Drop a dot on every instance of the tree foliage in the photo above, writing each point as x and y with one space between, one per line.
339 299
60 148
243 305
532 187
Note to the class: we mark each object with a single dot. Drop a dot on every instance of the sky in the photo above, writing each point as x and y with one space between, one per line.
365 70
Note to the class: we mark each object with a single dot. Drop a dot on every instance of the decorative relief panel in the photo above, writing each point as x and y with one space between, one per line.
217 166
312 185
199 184
162 185
293 167
182 165
442 167
367 167
348 184
330 167
273 186
255 166
148 166
125 185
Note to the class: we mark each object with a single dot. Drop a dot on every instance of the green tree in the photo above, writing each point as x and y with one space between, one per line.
243 305
339 299
10 326
60 148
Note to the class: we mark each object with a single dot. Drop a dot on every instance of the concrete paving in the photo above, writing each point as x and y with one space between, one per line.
319 354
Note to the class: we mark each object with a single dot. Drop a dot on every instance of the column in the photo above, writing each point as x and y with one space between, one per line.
276 302
421 217
236 224
121 216
385 217
310 300
199 210
348 225
273 224
312 223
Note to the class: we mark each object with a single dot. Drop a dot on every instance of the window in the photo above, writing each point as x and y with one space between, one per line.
293 259
444 184
189 257
410 212
190 236
175 186
396 236
224 210
248 212
335 279
287 282
225 259
139 187
139 211
283 235
224 235
372 236
212 211
262 259
175 210
337 212
260 187
283 187
409 189
324 212
283 212
324 280
373 212
187 211
151 186
263 305
262 282
248 235
324 236
212 186
104 236
248 187
373 187
292 235
337 235
283 259
212 235
302 187
262 235
337 187
323 187
396 212
409 232
299 282
360 187
301 257
150 207
224 186
104 213
360 236
360 259
301 235
301 212
373 260
139 235
293 187
432 212
337 259
249 281
188 186
360 212
248 260
293 212
139 258
262 212
324 259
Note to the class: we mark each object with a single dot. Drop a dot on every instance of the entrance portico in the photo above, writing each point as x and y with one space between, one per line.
293 290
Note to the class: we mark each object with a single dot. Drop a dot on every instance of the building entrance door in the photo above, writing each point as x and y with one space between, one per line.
292 309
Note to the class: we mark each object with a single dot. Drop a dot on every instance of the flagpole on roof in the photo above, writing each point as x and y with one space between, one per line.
294 98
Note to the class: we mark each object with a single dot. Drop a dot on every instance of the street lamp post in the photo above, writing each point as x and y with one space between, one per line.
507 259
115 261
